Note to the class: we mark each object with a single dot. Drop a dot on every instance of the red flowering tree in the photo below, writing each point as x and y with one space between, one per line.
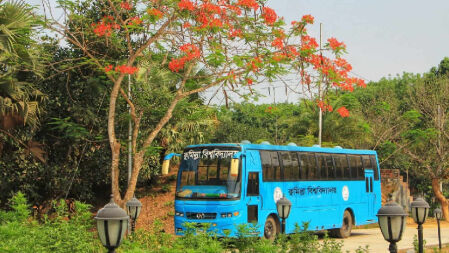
233 43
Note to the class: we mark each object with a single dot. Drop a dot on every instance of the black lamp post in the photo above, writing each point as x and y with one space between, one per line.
391 218
420 210
134 206
283 206
438 215
112 222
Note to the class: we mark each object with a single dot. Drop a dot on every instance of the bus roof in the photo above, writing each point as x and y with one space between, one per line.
287 148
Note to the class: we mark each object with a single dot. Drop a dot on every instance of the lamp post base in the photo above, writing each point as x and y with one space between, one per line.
439 234
420 239
283 227
393 247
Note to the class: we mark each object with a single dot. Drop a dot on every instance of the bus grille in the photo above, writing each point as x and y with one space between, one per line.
201 216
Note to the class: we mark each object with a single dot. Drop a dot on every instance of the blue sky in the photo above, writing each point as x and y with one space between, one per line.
383 36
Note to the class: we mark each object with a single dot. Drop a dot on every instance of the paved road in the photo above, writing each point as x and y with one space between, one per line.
374 239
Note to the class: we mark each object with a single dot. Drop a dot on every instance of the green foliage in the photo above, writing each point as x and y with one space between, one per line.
58 234
71 230
416 244
20 210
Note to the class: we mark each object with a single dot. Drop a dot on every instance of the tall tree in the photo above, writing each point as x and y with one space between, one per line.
233 43
428 141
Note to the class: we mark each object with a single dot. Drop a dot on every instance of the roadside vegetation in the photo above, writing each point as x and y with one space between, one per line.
71 229
65 112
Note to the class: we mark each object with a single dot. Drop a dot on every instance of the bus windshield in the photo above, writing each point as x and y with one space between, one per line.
206 174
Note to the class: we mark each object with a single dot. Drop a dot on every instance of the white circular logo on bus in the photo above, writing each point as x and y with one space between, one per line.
345 193
277 194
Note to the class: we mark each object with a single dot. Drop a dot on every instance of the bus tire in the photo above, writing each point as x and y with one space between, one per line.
271 228
346 227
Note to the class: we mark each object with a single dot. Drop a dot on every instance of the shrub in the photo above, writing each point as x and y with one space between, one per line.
20 233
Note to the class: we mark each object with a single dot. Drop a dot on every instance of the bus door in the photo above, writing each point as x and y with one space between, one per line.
253 199
369 179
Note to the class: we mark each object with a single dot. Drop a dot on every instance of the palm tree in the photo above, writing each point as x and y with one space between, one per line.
19 55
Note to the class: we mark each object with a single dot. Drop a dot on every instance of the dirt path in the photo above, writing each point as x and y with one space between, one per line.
158 204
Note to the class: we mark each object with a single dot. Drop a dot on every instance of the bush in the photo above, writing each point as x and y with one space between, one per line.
73 231
20 233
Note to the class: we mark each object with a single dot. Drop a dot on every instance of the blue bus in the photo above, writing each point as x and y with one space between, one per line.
228 184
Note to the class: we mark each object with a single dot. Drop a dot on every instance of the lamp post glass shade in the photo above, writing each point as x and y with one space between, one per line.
134 206
438 214
392 221
283 206
112 223
420 210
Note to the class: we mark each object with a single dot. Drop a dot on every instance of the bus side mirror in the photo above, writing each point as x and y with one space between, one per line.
166 162
235 164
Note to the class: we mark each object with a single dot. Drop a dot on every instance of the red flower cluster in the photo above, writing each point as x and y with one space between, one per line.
211 8
191 52
254 64
135 21
108 68
335 44
155 12
126 69
234 9
269 15
278 43
308 43
270 109
325 107
279 56
252 4
292 52
343 64
176 65
235 33
186 5
105 26
211 15
343 112
125 5
307 19
249 81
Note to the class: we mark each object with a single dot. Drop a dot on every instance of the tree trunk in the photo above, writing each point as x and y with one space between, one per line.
439 195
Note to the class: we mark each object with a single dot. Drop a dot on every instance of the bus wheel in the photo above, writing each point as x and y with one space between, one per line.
346 227
270 229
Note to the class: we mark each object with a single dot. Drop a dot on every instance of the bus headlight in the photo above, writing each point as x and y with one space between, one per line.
180 214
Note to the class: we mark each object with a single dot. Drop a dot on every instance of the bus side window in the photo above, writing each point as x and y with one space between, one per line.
367 162
354 166
271 169
276 166
361 172
375 168
265 157
308 165
330 167
253 184
338 167
313 168
290 166
324 167
303 166
345 161
321 167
